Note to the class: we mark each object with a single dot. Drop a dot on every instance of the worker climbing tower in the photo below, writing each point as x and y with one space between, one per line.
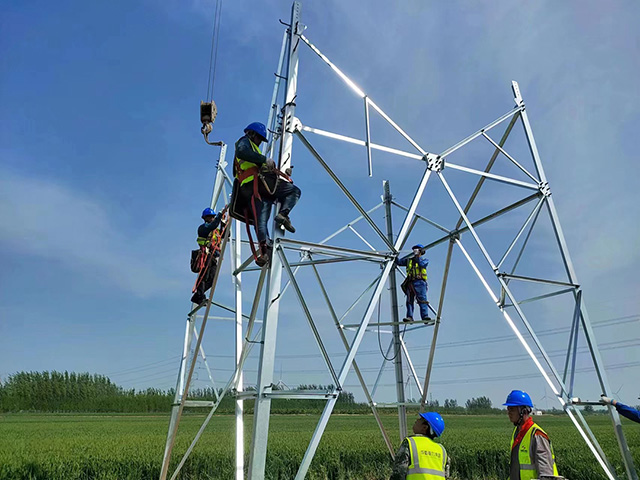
463 233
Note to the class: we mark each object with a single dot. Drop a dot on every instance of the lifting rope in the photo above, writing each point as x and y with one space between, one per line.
213 56
208 109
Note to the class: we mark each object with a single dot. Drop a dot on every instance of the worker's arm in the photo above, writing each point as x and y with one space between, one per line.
403 261
206 228
401 462
423 262
628 412
245 153
541 454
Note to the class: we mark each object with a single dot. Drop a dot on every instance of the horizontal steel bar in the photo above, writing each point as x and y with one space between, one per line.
355 141
491 176
288 394
319 248
301 395
547 295
537 280
198 403
387 324
320 262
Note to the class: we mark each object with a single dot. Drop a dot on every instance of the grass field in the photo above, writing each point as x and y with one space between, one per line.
130 447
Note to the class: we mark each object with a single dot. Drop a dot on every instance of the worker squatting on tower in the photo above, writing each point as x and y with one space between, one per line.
259 196
203 260
415 285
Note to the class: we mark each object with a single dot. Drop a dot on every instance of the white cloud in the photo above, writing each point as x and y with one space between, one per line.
44 218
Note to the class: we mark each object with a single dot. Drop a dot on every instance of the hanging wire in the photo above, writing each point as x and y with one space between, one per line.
397 347
213 56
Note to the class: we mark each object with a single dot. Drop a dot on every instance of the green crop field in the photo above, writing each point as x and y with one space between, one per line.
130 447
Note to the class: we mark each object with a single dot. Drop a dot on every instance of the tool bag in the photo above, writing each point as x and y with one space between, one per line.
406 286
196 260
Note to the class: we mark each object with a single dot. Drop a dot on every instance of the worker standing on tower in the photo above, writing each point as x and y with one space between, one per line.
419 456
250 165
531 452
415 285
624 410
204 261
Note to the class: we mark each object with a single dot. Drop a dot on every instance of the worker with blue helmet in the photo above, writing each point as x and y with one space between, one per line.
531 452
419 456
624 410
415 285
250 164
203 260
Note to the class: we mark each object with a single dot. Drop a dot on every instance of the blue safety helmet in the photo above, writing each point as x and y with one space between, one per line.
208 211
418 245
435 421
518 398
258 128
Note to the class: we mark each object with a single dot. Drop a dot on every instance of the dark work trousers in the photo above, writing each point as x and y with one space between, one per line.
288 195
205 281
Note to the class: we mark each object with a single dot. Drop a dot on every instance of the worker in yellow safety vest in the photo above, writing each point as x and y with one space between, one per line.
415 285
246 169
204 261
419 456
531 452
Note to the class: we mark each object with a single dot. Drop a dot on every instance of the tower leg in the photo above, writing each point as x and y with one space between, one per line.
393 291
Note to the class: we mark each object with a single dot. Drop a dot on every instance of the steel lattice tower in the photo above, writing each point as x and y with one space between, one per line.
462 232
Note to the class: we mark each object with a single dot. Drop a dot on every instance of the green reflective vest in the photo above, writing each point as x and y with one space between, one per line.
414 271
428 459
243 166
527 468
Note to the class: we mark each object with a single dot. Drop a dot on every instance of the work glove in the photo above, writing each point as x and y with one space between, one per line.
606 400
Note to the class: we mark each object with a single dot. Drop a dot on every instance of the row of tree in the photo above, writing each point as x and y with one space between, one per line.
83 392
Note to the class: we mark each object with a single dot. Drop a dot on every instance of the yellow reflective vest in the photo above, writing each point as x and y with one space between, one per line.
243 166
414 271
211 239
428 459
527 468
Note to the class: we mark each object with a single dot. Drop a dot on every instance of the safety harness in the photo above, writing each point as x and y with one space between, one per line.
249 174
207 252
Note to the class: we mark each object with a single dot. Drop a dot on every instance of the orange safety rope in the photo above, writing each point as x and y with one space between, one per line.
214 246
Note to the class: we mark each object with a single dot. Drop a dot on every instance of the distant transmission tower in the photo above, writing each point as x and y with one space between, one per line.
527 179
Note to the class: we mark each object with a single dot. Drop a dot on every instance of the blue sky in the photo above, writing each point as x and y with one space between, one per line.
103 174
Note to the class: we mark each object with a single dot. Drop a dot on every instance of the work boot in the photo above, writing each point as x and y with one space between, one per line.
198 298
265 254
428 321
407 319
283 219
